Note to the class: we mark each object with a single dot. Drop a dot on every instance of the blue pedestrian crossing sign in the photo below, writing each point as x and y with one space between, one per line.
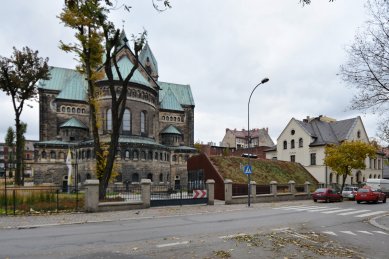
247 169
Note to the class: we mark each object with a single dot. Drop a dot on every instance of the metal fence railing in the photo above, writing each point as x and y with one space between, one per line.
300 188
128 192
163 192
31 200
239 189
263 189
282 188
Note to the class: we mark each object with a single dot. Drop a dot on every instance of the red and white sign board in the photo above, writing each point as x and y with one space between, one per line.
199 194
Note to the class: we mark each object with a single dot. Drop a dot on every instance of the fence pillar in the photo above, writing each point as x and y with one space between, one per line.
91 195
210 183
146 192
273 188
292 186
227 191
253 185
307 190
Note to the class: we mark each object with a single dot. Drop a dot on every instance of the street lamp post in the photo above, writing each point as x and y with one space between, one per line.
249 138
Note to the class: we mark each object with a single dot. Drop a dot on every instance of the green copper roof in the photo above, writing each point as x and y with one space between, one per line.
147 53
73 123
171 130
69 82
170 102
183 93
125 66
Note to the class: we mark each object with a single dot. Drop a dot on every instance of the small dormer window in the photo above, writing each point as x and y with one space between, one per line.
359 134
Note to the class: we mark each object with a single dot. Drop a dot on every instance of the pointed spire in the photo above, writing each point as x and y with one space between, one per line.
147 59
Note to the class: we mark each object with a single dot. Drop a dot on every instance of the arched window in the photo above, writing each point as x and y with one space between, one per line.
370 176
292 143
78 110
135 154
127 154
52 155
68 109
375 176
88 176
143 155
109 119
88 152
285 144
83 111
127 121
73 110
44 156
161 178
337 178
150 176
301 143
156 156
142 122
174 158
63 109
135 177
150 156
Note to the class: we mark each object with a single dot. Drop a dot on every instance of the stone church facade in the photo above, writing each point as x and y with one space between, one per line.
157 133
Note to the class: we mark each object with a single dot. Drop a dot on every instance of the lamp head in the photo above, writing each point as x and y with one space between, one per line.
264 80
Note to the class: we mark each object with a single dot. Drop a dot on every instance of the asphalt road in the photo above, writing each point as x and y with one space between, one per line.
311 230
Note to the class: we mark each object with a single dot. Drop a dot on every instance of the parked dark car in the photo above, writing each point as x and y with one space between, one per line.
327 195
370 195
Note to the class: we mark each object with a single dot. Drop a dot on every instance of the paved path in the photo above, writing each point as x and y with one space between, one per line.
80 218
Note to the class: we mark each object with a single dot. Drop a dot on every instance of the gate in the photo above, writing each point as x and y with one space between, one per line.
168 195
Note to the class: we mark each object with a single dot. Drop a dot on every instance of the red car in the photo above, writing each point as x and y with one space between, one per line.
326 194
370 195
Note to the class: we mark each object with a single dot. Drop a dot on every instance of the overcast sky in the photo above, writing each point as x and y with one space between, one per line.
222 48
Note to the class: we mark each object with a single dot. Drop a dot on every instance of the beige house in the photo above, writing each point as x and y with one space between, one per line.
304 142
238 138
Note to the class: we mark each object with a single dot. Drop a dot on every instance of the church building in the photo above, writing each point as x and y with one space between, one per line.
157 132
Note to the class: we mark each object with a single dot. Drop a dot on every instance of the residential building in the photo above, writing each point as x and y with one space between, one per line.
157 133
304 142
239 138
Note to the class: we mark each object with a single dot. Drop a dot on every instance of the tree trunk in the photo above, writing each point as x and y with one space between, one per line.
344 180
19 150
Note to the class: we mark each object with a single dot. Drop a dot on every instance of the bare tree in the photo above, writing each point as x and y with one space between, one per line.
367 68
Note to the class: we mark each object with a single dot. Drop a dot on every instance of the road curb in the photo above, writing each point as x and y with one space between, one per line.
374 222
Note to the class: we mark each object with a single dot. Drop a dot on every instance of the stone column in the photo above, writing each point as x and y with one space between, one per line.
292 186
273 188
91 195
253 191
306 188
146 192
211 191
227 191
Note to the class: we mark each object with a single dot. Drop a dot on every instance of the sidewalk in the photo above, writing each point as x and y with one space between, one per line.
42 220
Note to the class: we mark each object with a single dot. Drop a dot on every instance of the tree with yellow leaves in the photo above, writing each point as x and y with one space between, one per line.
348 155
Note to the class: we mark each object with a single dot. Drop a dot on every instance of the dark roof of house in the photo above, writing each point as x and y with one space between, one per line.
261 134
328 132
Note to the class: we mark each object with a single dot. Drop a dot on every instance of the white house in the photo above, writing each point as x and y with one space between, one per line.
304 142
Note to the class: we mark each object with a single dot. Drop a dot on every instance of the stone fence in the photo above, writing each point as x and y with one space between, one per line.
92 203
274 195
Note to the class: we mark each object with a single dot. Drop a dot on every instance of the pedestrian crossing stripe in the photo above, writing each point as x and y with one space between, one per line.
332 233
333 210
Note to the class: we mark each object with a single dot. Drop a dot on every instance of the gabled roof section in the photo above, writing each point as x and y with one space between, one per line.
70 84
328 132
123 39
125 66
73 123
171 130
147 53
170 102
183 93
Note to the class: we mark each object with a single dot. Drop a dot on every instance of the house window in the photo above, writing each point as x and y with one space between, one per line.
150 176
285 144
143 122
292 143
292 158
63 109
127 121
313 158
292 132
109 119
300 142
274 158
161 178
359 134
73 110
379 163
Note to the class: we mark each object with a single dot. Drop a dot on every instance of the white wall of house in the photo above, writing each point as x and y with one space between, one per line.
303 154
